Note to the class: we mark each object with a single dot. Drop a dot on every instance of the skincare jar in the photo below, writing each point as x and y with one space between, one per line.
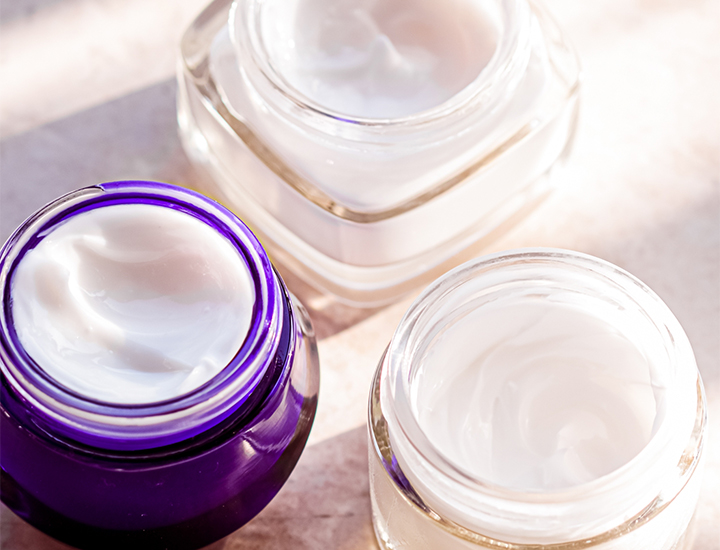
158 381
374 145
536 399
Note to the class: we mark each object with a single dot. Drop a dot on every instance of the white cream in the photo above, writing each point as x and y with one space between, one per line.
132 303
378 59
551 396
387 199
536 397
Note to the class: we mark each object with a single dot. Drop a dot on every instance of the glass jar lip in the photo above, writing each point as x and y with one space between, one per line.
502 73
397 374
140 426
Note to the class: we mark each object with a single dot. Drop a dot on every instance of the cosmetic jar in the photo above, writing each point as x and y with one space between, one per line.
95 458
364 195
536 399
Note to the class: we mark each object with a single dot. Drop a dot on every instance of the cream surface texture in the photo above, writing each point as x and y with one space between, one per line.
550 396
435 88
544 401
378 59
132 303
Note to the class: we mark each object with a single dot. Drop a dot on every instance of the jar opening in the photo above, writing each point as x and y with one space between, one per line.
378 60
131 303
384 64
538 391
137 423
541 388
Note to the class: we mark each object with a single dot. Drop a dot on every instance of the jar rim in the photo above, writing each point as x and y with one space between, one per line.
119 426
659 459
502 72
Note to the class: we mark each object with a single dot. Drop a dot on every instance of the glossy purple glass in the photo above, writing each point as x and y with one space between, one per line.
175 474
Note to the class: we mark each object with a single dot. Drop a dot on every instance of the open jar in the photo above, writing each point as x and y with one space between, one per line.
536 399
158 381
321 123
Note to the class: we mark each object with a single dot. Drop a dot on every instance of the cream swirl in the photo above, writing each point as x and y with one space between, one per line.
536 395
132 303
379 59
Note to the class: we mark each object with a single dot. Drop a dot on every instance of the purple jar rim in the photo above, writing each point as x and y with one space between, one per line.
141 426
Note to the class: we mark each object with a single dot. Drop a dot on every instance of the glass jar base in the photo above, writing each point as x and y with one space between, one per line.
369 286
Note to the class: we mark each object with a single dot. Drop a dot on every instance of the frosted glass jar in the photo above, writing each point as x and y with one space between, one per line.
426 496
178 473
370 208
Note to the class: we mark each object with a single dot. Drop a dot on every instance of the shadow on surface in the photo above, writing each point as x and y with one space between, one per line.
12 10
134 137
129 138
329 316
679 259
325 503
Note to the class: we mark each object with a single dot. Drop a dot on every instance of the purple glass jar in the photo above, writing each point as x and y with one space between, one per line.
177 474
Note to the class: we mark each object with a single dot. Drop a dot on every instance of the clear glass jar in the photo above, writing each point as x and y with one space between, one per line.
180 473
422 499
369 209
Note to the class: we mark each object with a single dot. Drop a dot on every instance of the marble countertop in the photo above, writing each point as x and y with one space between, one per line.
87 94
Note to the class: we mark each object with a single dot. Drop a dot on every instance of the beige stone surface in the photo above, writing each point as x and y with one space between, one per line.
87 95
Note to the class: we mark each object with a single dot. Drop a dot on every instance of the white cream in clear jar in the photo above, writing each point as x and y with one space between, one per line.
372 144
376 59
536 397
550 397
131 303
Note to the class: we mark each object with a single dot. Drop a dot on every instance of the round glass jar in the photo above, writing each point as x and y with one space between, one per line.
425 497
371 208
179 473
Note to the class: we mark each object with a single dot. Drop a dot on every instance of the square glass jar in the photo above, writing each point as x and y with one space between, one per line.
370 209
